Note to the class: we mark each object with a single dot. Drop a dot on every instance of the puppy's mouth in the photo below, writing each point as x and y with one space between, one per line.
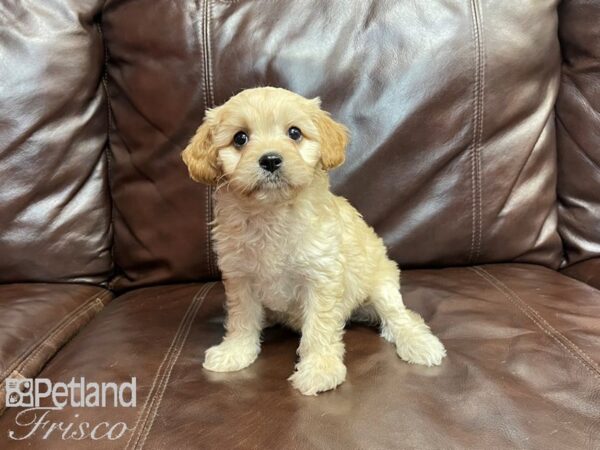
272 181
271 187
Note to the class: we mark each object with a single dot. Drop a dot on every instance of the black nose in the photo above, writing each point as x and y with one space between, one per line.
270 161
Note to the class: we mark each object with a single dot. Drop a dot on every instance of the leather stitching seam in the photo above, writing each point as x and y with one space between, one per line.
206 104
167 376
209 70
148 413
207 90
541 323
69 318
480 135
477 125
96 305
108 149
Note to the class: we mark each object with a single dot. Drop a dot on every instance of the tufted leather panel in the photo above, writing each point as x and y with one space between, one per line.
578 130
54 200
155 73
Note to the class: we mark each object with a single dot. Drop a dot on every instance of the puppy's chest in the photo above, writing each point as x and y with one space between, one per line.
268 255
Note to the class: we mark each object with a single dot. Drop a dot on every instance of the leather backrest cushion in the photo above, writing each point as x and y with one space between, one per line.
54 199
157 101
450 106
578 130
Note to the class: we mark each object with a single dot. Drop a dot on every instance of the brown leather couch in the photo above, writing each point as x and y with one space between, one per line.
475 153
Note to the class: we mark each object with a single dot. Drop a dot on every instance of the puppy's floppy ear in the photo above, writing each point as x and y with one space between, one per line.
200 156
333 137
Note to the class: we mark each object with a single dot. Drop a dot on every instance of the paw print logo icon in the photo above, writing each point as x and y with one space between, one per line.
19 392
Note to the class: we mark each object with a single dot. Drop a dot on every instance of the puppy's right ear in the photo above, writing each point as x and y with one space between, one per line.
200 156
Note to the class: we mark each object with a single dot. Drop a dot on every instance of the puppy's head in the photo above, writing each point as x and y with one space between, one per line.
266 143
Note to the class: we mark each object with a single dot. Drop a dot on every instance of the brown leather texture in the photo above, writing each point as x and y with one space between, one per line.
37 320
578 130
450 106
157 99
475 142
587 271
522 372
54 200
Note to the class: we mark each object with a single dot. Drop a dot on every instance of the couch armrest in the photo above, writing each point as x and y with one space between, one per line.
587 271
37 320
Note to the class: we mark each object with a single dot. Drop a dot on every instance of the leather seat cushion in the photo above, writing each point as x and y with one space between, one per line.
587 271
522 369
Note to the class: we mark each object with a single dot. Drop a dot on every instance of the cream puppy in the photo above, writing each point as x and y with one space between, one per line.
288 248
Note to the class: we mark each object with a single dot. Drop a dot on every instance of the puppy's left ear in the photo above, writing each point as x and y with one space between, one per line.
333 137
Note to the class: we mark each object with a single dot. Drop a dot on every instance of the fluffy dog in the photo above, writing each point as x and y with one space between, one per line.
287 247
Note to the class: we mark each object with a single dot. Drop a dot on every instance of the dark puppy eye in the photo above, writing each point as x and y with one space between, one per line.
240 139
294 133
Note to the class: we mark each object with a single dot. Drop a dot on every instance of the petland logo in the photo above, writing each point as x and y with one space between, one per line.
36 420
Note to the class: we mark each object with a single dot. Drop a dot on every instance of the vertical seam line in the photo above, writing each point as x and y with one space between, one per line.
205 96
214 270
481 119
207 87
477 125
108 150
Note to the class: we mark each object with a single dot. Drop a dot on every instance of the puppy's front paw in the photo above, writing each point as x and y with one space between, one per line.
421 348
317 374
229 356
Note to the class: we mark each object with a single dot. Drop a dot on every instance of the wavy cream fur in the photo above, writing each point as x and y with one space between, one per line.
288 248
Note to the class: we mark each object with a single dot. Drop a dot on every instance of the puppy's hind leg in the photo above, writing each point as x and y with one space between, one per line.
406 329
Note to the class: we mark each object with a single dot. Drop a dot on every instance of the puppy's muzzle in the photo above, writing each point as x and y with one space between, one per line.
271 162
